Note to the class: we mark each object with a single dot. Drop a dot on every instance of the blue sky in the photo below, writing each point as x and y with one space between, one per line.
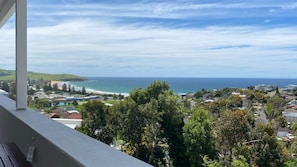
168 38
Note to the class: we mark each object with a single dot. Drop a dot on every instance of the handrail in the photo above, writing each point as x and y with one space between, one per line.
55 144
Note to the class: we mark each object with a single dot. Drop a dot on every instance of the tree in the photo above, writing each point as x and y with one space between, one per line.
5 86
224 92
270 112
275 106
281 120
30 91
259 97
235 101
248 93
150 123
30 100
268 152
75 103
210 163
47 86
64 87
12 89
291 163
55 87
198 138
213 107
50 85
200 93
95 117
121 97
240 162
131 125
83 91
232 129
42 103
69 88
139 127
294 91
172 126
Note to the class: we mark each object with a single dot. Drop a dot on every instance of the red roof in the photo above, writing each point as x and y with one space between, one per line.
74 116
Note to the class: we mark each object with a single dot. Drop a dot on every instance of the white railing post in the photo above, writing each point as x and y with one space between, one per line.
21 54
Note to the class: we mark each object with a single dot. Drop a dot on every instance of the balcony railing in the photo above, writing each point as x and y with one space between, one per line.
54 145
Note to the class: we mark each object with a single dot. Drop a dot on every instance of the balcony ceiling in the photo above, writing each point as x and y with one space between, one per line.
6 10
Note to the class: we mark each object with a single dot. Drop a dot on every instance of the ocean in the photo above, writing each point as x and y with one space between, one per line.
179 85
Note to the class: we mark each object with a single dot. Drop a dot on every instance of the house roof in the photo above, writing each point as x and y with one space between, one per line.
289 114
3 92
72 111
7 8
74 116
72 123
54 115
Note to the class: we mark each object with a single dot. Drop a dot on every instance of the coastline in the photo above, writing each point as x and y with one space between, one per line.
88 90
124 85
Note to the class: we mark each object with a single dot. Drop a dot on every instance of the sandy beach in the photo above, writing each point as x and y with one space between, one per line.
88 90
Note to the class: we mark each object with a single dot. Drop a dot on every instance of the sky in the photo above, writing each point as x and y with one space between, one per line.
158 38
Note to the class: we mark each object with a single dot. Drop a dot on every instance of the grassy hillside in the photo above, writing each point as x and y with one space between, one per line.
9 75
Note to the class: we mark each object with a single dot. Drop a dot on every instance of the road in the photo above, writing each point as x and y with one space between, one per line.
262 116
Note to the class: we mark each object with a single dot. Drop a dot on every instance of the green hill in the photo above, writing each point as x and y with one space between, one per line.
9 75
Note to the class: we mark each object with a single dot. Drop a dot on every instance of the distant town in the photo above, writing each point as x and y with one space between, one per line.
58 100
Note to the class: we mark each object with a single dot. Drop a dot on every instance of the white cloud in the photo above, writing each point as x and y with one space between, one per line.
98 46
289 6
166 9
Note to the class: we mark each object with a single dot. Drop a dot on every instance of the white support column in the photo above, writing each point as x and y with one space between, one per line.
21 54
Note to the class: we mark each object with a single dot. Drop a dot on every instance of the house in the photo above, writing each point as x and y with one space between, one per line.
208 97
290 116
71 123
69 108
3 92
265 88
54 115
285 136
292 102
74 116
